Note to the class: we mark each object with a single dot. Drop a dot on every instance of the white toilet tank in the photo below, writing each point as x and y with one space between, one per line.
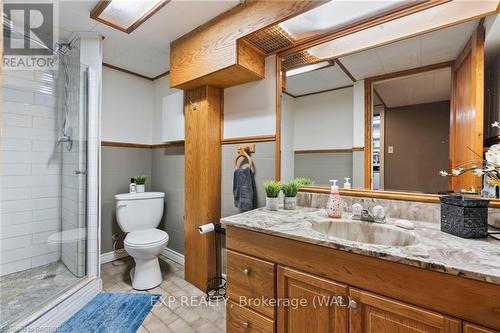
139 211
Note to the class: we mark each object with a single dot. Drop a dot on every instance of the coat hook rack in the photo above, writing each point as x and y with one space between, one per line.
244 151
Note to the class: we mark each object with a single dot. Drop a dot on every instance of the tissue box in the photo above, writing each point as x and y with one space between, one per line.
464 217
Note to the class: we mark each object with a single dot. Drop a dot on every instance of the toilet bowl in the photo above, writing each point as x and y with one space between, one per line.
138 215
145 246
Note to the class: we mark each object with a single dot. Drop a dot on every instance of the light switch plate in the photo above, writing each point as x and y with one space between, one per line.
390 149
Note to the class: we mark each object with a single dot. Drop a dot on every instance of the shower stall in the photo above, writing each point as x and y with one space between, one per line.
44 221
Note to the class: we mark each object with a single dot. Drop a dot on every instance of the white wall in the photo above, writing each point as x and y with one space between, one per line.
324 121
127 107
287 137
358 129
161 88
250 108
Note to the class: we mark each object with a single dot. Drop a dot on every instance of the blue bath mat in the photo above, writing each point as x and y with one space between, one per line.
111 313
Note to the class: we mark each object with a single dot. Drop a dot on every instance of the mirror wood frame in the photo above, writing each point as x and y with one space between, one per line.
367 191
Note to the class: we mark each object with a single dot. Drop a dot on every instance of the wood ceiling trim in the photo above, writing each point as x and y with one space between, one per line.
104 64
103 4
363 24
345 70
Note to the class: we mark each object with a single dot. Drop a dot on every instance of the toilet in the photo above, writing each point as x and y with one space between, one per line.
138 215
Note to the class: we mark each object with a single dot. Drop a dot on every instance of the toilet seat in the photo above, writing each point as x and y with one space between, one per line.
145 238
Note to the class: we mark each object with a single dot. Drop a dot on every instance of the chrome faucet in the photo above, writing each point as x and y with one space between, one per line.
377 215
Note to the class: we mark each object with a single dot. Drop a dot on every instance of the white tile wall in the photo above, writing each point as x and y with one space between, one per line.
30 196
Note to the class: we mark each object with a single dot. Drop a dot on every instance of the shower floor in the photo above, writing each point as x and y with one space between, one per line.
22 292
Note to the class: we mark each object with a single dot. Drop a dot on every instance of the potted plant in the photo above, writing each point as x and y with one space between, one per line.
290 190
273 189
140 180
301 181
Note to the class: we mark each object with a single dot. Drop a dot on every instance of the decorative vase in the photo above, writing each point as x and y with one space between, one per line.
290 203
272 203
140 188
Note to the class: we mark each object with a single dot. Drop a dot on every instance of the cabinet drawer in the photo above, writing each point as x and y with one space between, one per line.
241 319
252 279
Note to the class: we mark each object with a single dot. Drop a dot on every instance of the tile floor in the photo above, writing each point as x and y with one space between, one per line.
22 292
183 309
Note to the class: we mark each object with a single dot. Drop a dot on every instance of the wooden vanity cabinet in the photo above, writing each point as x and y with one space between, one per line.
323 308
371 313
471 328
366 295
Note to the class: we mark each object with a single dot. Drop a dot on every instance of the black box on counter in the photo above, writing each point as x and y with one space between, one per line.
465 217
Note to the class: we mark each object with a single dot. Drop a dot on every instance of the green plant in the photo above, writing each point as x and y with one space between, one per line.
272 188
290 189
140 179
301 181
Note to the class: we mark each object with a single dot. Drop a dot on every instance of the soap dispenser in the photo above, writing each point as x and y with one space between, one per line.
334 205
347 183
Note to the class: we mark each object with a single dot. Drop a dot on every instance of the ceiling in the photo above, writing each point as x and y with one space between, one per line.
427 49
431 48
317 80
427 87
146 50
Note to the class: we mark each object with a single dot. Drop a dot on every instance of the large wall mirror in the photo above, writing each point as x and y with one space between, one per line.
391 108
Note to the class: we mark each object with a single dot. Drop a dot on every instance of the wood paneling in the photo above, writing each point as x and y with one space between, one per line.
467 111
248 139
452 295
212 48
251 58
375 314
277 148
251 278
202 181
243 320
312 317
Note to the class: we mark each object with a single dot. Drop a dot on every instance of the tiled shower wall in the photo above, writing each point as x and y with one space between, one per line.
30 171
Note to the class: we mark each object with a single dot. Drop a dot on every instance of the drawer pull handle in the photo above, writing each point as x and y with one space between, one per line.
353 304
246 325
246 271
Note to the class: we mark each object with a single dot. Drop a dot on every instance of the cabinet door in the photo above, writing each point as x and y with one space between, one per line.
471 328
371 313
314 303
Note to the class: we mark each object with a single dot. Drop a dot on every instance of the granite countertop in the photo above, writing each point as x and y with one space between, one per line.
433 250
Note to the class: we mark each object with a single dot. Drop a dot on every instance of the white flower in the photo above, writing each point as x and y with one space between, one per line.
478 172
444 173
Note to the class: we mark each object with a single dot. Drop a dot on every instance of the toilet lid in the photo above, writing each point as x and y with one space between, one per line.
146 237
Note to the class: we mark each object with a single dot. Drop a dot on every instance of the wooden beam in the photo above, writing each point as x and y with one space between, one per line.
277 147
202 108
344 69
206 51
248 139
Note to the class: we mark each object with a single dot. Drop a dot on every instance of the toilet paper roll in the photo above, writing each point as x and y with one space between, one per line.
206 228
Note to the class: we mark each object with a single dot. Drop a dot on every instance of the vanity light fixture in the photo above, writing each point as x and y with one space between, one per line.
125 15
307 68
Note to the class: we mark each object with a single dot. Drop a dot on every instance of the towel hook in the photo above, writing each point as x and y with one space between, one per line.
244 151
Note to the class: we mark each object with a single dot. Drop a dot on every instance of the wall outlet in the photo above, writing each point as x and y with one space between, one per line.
390 149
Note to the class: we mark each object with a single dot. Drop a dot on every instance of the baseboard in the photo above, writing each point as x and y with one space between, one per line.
112 256
65 307
173 255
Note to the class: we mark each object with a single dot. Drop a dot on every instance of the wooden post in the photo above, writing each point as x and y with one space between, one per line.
202 107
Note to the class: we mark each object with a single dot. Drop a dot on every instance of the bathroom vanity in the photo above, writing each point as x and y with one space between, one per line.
356 276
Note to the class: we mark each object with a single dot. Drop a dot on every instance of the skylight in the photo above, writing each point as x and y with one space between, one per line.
307 68
335 14
126 15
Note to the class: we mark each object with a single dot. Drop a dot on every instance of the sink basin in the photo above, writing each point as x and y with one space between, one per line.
365 232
